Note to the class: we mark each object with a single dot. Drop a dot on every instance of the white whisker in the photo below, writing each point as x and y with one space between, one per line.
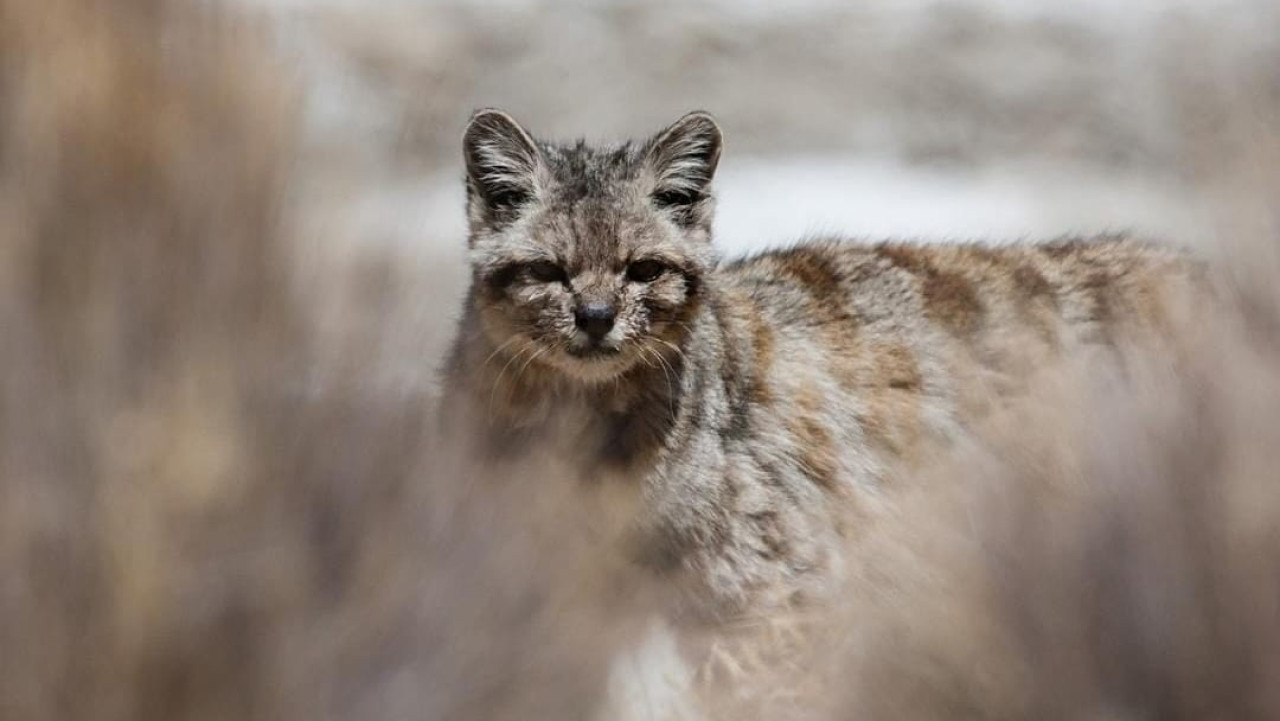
498 350
493 394
667 371
515 382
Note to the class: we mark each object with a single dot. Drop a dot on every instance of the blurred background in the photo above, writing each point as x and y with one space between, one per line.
231 259
932 119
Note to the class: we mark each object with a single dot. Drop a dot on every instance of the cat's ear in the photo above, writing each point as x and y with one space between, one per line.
502 163
684 158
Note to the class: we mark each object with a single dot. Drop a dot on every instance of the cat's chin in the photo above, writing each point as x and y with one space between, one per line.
593 368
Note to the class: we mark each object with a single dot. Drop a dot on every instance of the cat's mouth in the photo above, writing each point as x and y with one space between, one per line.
594 363
594 352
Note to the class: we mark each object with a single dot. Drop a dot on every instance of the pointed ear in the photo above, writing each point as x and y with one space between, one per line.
684 159
502 162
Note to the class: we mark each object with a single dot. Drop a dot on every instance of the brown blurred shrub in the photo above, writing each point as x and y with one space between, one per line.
190 527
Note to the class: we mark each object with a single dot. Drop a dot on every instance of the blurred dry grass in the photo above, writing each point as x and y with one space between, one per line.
1122 567
190 525
208 511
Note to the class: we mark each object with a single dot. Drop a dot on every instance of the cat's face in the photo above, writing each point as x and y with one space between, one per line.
589 260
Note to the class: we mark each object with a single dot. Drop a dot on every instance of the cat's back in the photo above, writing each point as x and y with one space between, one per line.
964 289
903 340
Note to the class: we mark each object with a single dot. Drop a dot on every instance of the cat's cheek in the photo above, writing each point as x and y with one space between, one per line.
540 299
667 295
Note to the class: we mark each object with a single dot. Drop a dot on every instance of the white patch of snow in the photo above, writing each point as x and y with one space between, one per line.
766 202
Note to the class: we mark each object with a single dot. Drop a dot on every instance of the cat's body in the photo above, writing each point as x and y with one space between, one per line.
766 398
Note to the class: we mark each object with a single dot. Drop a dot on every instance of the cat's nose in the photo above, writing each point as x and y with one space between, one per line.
595 319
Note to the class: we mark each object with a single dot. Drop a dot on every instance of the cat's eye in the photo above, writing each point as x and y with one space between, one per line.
507 198
544 271
645 271
674 198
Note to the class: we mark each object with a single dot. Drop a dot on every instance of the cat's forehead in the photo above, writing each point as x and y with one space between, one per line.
583 170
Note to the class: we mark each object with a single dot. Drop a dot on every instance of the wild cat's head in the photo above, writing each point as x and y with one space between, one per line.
589 259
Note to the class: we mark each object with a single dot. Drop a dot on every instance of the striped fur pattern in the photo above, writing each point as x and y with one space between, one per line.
750 411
